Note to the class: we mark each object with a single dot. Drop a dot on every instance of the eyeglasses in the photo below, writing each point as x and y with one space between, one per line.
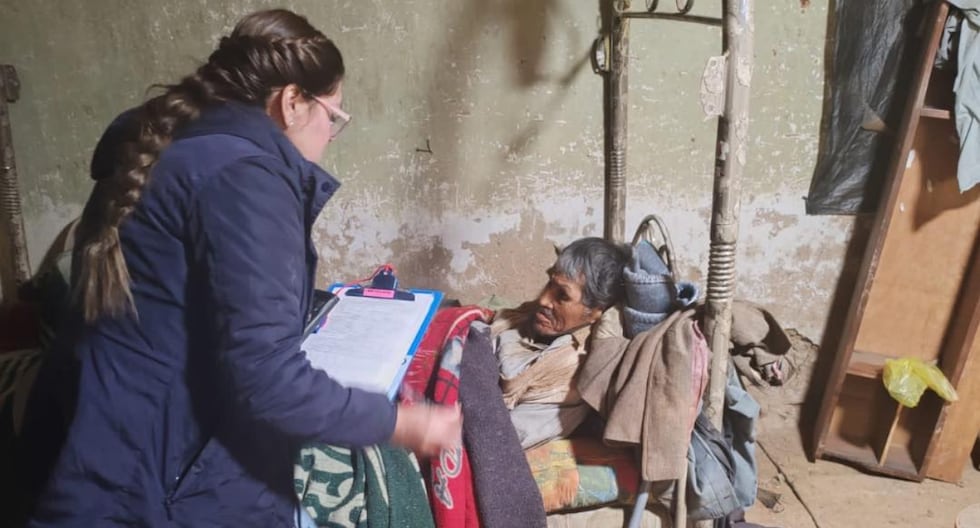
338 118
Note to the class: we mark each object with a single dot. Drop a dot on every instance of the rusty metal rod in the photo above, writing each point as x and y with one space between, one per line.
696 19
9 188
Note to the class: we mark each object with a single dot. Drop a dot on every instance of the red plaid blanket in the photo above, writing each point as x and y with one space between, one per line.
450 480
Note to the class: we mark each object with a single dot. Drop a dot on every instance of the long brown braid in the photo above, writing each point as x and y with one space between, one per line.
267 50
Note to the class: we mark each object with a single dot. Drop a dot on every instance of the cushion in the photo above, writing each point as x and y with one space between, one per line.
583 472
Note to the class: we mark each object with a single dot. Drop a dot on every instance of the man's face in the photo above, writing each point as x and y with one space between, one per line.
560 308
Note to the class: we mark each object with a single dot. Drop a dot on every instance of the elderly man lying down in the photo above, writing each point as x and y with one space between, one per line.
541 344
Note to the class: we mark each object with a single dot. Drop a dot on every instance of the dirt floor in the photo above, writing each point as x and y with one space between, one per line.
827 494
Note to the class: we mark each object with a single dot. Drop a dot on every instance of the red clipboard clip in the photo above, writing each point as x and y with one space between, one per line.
384 285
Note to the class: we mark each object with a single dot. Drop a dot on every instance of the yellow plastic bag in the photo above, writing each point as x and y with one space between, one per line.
906 379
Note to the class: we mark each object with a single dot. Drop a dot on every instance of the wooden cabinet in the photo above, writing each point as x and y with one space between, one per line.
917 295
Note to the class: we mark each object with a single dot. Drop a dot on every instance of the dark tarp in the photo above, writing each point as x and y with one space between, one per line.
873 53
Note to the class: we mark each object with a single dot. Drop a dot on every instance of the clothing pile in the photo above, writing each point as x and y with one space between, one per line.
652 290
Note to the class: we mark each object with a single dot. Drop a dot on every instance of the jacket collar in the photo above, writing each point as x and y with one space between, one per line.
252 123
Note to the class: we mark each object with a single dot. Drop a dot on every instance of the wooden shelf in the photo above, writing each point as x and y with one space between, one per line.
917 296
936 113
939 98
866 364
901 464
870 365
837 447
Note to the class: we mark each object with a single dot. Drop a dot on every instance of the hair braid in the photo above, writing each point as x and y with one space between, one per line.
266 51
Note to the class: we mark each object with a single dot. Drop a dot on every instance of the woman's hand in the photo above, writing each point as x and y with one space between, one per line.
428 429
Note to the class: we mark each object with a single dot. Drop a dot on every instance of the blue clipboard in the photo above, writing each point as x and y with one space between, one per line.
391 295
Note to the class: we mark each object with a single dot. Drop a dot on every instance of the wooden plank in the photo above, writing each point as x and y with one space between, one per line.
866 364
860 425
902 463
936 113
926 254
940 97
886 447
959 422
889 198
864 456
861 455
911 435
959 427
869 365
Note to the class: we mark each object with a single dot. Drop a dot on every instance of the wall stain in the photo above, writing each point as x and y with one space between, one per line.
499 93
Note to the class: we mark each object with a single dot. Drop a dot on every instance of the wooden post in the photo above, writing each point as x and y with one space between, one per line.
617 86
9 189
730 158
731 155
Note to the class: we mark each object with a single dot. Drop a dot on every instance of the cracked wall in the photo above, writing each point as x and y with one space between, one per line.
476 144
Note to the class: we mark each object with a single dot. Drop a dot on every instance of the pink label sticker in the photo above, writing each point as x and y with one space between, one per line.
377 292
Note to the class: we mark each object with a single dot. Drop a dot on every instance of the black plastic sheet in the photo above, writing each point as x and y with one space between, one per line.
873 47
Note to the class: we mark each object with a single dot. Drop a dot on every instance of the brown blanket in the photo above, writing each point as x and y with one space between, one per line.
648 389
759 345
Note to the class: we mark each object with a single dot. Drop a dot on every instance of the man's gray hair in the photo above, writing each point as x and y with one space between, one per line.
599 264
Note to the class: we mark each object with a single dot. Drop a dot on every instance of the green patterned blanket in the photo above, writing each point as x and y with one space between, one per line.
17 372
374 487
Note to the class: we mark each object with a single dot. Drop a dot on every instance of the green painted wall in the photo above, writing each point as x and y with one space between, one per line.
502 94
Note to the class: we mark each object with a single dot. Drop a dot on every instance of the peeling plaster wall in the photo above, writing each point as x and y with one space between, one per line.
476 143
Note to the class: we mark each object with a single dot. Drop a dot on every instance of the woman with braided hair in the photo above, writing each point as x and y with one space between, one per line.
193 272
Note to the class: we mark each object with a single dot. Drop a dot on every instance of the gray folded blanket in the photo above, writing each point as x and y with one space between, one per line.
506 493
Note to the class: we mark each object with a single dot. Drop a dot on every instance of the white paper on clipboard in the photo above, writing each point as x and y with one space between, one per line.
365 342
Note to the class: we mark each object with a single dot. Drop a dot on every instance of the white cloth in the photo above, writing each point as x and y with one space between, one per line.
967 88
